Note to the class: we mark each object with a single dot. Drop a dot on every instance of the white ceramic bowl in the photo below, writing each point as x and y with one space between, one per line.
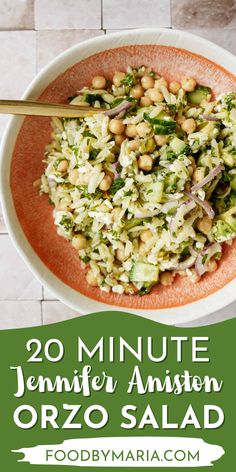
70 297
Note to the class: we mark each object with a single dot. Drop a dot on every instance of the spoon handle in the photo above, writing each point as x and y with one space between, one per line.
25 107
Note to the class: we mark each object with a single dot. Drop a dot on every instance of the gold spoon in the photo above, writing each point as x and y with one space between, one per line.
26 107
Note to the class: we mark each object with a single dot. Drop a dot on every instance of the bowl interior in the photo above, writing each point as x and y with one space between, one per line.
35 213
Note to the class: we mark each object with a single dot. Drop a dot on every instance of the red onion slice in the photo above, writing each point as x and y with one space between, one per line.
117 110
193 252
210 118
114 166
208 178
185 208
209 252
205 205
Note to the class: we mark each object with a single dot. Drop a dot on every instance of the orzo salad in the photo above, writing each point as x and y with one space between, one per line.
146 190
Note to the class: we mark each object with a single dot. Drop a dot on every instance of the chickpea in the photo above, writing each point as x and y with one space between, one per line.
79 242
120 255
117 78
161 83
63 206
143 129
116 126
174 87
189 84
194 277
73 176
190 171
180 120
147 82
204 225
119 138
91 279
105 183
193 163
155 95
145 162
145 101
136 91
99 82
63 166
189 125
130 289
142 249
131 131
133 145
115 214
112 156
212 265
160 140
188 186
146 235
199 174
166 278
37 183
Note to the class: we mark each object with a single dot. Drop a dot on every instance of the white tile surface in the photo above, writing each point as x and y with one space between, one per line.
16 281
54 311
17 65
52 43
67 14
217 317
224 38
15 314
47 295
16 14
17 61
125 14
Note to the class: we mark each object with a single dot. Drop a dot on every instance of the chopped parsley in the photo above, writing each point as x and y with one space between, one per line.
204 258
128 80
94 153
85 259
117 185
91 98
144 290
67 223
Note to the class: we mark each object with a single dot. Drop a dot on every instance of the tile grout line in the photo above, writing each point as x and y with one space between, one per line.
41 311
171 16
102 15
23 300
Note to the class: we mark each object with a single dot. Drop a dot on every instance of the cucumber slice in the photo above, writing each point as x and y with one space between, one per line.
230 218
142 272
163 130
154 192
178 146
163 124
229 158
233 183
200 93
162 119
